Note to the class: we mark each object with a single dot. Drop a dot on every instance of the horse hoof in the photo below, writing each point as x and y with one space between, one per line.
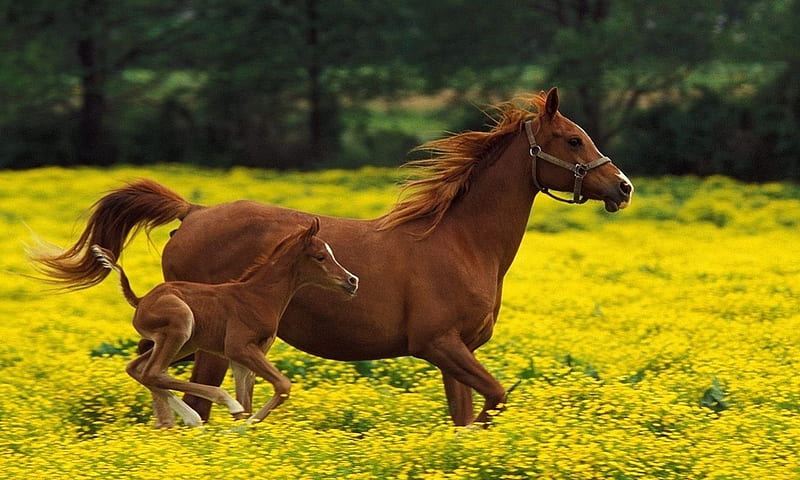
240 415
163 425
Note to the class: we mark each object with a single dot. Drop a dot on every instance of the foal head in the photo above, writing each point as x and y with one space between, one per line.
559 137
312 261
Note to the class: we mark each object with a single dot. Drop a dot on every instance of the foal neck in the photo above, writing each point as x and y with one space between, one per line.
275 275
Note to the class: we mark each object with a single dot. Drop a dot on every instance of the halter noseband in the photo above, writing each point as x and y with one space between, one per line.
579 169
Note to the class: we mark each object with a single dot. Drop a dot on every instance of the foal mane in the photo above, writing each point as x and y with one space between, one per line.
442 179
270 256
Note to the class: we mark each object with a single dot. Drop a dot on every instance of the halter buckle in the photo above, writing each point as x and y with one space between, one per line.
580 170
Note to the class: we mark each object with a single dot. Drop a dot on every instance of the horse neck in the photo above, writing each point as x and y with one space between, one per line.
275 280
493 213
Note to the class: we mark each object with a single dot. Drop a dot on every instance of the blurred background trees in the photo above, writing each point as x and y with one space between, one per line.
681 87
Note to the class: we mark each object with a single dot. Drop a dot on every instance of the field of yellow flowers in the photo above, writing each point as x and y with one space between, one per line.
659 342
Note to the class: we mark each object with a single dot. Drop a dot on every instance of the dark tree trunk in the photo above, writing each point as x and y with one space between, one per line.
90 125
316 114
91 138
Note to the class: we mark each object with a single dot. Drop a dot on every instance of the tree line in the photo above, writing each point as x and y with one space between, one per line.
679 87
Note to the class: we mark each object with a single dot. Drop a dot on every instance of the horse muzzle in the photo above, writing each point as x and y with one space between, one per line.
350 285
619 196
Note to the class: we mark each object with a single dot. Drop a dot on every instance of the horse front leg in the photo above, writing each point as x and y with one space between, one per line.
244 379
455 360
252 357
459 401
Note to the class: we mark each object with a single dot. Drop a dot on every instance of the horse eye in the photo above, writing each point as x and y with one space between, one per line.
574 142
320 259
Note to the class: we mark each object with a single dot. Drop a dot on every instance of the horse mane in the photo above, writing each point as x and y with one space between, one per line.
439 181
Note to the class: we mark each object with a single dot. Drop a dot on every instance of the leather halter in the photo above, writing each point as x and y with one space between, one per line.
578 169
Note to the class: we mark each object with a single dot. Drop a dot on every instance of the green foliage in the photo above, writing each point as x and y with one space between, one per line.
714 398
683 87
121 347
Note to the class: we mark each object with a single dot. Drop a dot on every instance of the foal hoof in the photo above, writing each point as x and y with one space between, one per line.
158 425
240 415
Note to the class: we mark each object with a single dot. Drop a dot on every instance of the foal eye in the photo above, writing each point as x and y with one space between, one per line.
320 259
575 142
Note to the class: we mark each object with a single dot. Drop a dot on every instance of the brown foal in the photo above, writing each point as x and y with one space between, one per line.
236 320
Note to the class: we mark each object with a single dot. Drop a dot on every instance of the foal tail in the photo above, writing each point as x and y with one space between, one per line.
116 216
108 261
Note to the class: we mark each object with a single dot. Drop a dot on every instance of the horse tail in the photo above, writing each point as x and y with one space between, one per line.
116 216
109 262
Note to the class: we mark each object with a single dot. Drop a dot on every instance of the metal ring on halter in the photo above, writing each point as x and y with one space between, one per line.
534 151
580 170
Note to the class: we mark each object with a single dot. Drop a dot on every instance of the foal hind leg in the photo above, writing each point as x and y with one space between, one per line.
209 369
252 357
155 376
169 322
458 362
162 411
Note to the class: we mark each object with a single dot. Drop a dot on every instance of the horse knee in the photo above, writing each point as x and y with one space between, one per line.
153 380
283 388
133 370
495 397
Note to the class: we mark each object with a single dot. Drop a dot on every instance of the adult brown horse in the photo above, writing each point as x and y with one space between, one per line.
431 269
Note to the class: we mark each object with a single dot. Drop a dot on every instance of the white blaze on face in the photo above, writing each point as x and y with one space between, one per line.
330 252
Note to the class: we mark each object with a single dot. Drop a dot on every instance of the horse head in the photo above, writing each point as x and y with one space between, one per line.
565 158
317 264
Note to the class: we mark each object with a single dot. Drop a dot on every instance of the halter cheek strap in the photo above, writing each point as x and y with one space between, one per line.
578 169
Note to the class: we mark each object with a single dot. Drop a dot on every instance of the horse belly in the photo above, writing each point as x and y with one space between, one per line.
322 324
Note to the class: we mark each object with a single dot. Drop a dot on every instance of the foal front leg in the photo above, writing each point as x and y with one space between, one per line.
244 379
251 356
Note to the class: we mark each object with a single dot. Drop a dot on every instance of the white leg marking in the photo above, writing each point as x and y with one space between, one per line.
189 416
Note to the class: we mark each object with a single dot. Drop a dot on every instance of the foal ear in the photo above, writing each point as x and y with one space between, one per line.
312 230
551 104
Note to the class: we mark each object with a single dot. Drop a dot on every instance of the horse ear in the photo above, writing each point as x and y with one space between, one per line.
551 104
312 230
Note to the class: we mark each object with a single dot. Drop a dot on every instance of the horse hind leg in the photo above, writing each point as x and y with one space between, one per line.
162 411
174 322
156 378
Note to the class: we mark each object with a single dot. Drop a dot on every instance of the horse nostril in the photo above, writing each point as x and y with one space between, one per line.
625 188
